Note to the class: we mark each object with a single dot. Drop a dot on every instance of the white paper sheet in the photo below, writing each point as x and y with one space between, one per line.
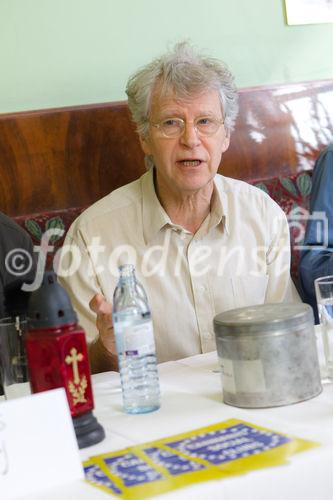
38 448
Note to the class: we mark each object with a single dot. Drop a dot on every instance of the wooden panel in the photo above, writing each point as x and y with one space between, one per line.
280 130
68 157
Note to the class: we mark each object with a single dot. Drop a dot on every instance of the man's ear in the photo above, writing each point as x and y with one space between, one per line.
144 141
226 141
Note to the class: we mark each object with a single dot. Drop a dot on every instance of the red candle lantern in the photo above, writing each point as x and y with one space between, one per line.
58 357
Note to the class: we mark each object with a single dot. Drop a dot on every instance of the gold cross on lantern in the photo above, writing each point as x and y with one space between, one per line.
73 360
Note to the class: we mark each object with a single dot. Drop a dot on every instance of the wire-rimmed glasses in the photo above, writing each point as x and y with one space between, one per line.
174 127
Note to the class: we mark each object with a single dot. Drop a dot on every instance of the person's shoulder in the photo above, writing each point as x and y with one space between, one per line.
118 199
228 184
9 224
118 202
245 192
10 231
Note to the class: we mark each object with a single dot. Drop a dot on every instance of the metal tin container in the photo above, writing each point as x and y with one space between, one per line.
268 355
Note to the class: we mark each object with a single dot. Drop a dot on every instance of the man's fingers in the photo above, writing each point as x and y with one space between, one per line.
103 310
99 305
104 321
95 302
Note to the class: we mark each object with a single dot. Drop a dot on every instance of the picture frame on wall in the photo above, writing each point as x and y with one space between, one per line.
309 11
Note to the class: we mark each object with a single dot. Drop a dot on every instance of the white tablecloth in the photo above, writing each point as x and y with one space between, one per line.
191 398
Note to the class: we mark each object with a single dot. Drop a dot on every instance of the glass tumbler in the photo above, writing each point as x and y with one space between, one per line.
13 360
324 296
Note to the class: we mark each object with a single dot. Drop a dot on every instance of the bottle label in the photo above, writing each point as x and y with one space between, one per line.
139 339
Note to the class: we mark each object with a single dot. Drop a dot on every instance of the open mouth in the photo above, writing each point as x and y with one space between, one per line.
190 163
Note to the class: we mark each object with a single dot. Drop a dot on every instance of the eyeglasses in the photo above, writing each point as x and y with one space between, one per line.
174 127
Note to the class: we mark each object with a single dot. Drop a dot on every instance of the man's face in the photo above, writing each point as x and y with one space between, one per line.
188 163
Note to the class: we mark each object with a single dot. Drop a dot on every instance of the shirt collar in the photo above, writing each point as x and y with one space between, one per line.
217 215
218 208
155 217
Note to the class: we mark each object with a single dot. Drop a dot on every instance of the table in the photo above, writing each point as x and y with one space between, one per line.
191 398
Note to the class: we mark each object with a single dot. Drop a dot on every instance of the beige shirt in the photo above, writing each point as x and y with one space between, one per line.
240 256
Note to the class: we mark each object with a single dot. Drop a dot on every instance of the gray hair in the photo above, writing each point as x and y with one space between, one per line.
185 72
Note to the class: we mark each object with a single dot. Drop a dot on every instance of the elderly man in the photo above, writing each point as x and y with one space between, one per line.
201 243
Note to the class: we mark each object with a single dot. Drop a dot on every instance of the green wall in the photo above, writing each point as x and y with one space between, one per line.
66 52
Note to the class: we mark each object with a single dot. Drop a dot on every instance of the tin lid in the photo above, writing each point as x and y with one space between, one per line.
262 319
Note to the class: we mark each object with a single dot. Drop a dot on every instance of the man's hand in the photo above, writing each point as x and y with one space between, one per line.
103 352
103 310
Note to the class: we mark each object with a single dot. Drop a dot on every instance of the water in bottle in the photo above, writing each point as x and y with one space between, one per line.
135 344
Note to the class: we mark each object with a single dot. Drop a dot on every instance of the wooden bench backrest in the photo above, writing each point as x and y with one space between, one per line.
68 157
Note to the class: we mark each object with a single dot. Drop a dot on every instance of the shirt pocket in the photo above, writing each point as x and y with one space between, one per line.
249 290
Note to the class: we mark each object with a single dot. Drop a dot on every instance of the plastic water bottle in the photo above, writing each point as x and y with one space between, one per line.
135 344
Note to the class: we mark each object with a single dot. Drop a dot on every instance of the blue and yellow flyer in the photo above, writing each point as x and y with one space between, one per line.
218 451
